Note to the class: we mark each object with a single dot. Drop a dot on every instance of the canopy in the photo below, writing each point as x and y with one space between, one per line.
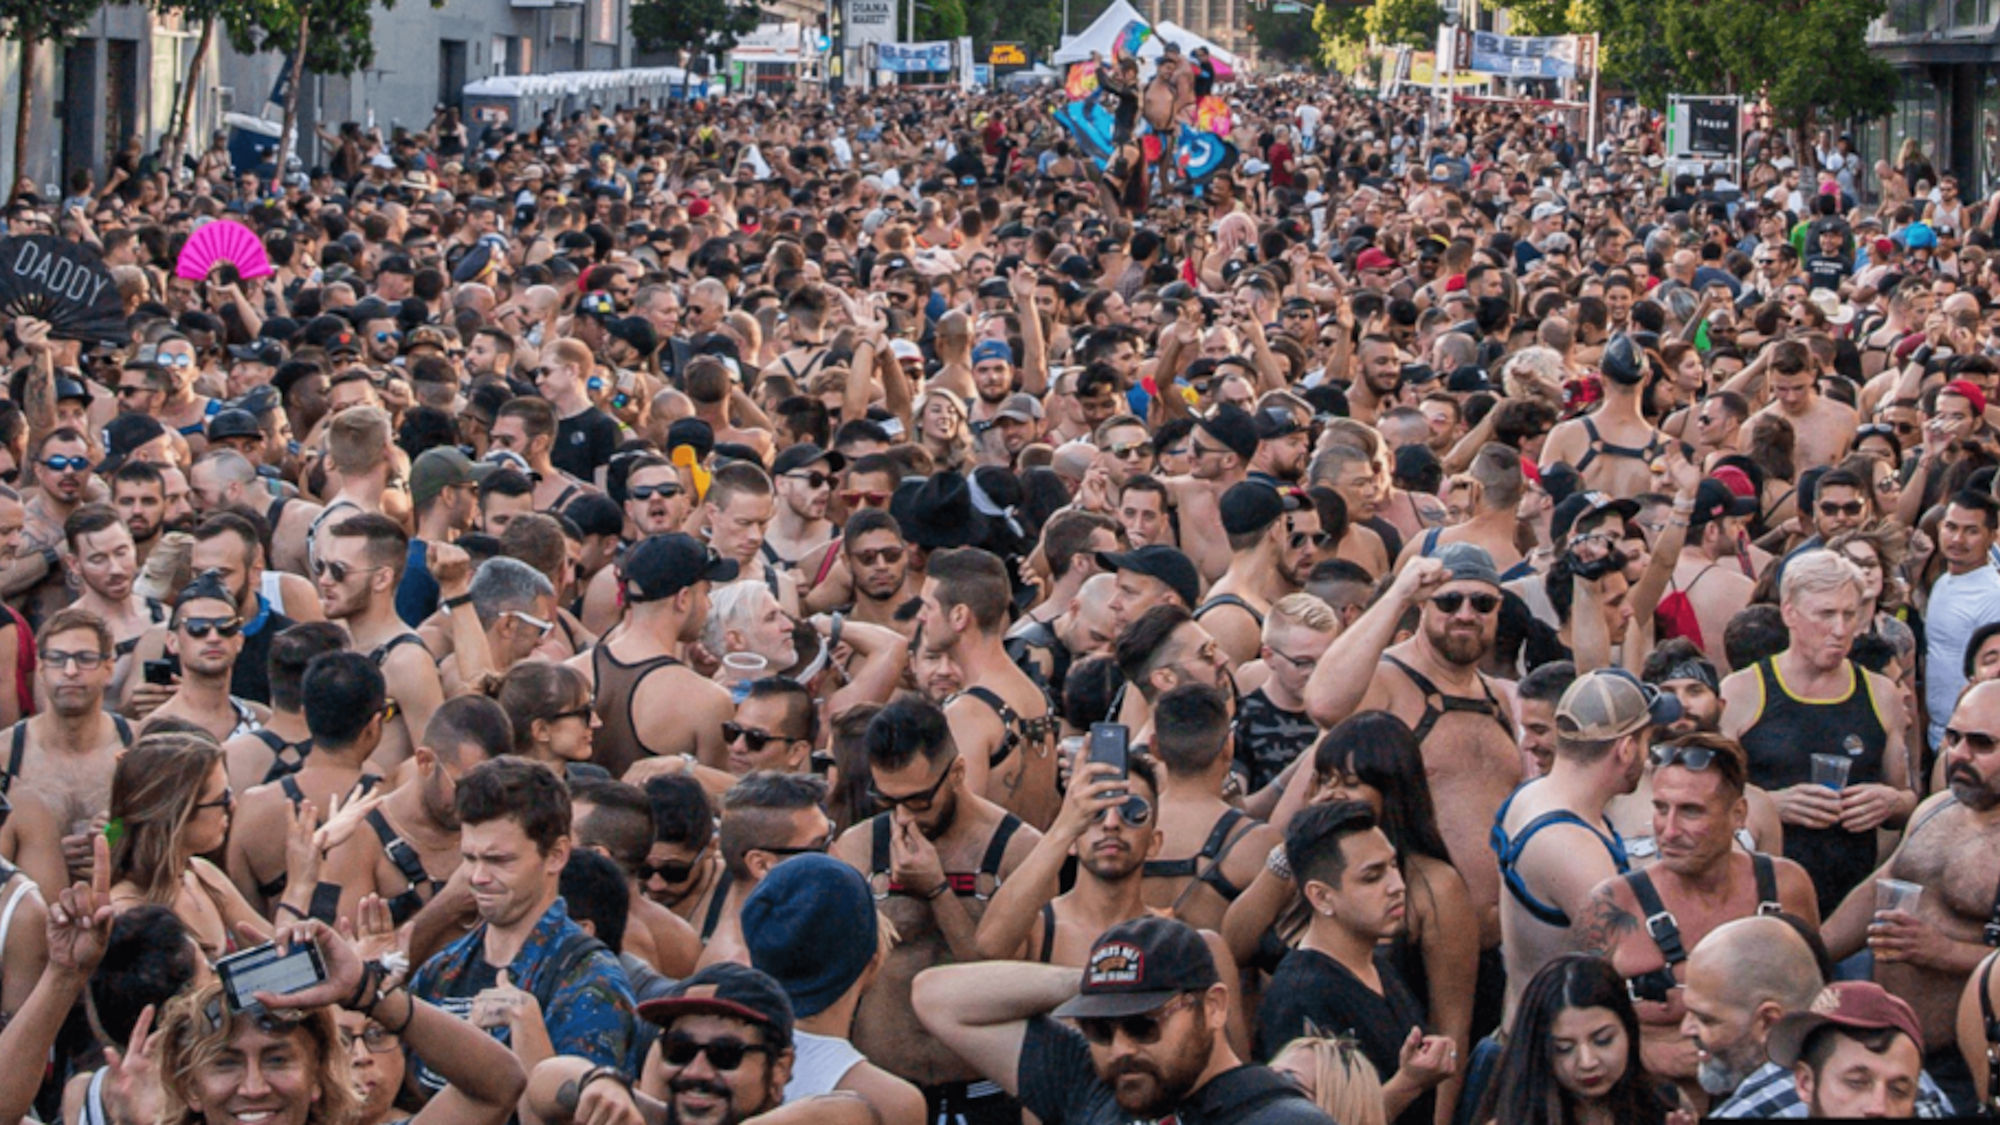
1102 33
1175 33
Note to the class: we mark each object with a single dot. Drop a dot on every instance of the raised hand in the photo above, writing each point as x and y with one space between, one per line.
79 925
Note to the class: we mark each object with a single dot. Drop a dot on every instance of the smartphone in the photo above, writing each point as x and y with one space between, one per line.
263 969
1111 743
162 671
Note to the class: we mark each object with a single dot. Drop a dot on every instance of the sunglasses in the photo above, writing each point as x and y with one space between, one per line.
1316 538
340 572
1979 741
879 555
814 480
723 1054
678 871
1139 1029
1693 757
87 660
66 464
173 361
1130 450
856 498
583 712
817 847
752 737
1134 811
201 627
134 389
540 626
1834 508
648 491
385 337
919 802
1482 604
227 799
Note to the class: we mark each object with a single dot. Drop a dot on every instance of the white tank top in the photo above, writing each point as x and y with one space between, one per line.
272 586
819 1063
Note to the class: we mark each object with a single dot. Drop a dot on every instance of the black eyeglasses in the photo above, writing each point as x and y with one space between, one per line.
889 555
814 480
134 389
201 627
1141 1029
723 1054
1836 508
678 871
646 492
584 712
87 660
817 847
1482 604
752 737
379 1040
227 799
919 802
1979 741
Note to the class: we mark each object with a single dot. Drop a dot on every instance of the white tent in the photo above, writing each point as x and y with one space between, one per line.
1104 31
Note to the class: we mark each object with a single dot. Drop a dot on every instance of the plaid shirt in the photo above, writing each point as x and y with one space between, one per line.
1770 1092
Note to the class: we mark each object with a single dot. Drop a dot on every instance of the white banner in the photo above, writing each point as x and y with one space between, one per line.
967 80
870 21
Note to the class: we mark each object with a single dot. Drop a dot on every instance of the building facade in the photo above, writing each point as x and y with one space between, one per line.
1947 59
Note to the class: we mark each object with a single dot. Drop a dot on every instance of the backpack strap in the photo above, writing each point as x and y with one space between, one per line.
123 728
575 948
1048 933
1766 874
715 900
381 652
16 757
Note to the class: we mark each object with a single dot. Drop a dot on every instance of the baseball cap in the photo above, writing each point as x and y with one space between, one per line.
1858 1004
811 925
693 433
664 565
234 423
1374 258
1157 560
1715 500
1232 426
1560 480
992 349
1136 967
434 470
1468 562
1969 393
68 388
1611 703
1020 408
1545 211
806 453
128 432
727 989
1253 506
1467 380
259 351
1274 422
905 349
1736 480
1576 504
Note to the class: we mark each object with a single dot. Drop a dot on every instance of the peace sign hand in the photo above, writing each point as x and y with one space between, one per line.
79 926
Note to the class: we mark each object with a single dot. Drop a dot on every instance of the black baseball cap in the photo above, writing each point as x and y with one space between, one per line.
234 423
259 351
1157 560
1138 966
664 565
1714 501
1576 504
729 989
1232 426
1253 506
1274 422
803 454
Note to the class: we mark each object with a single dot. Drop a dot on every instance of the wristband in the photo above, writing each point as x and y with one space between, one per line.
450 604
1279 863
938 891
367 990
610 1072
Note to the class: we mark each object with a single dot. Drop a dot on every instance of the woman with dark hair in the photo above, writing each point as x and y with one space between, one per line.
549 707
1572 1056
1373 758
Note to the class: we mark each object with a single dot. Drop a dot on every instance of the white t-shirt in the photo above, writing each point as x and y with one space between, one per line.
1959 605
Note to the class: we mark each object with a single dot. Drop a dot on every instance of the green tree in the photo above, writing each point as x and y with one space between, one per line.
1286 37
701 26
1411 22
32 23
236 17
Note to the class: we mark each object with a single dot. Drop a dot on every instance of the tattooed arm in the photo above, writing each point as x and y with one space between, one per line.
1604 923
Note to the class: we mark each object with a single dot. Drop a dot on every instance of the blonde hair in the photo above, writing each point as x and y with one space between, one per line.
154 790
1345 1084
190 1039
357 439
1818 571
1300 611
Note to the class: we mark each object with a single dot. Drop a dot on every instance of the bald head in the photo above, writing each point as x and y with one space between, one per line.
1758 959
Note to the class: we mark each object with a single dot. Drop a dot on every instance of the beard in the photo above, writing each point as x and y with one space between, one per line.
1459 647
724 1114
1972 790
1147 1088
1719 1076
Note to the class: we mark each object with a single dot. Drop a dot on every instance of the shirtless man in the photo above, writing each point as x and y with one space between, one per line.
736 511
1459 718
714 391
1950 849
62 483
344 703
1003 723
410 847
873 571
1702 880
1210 850
181 409
767 817
613 818
805 477
526 427
1496 470
681 712
357 449
1614 447
360 561
1708 582
206 637
684 869
100 556
1824 427
63 756
1222 446
1273 542
933 859
1170 92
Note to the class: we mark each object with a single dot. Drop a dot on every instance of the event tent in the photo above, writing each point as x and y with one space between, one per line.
1105 29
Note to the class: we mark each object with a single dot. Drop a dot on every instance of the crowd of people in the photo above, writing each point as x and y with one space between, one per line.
806 609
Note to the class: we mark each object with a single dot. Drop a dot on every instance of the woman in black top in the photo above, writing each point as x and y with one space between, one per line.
1572 1057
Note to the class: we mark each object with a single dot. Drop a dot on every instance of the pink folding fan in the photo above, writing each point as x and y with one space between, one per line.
218 242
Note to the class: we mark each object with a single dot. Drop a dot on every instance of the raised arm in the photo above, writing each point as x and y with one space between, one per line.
981 1010
1034 350
1341 680
1010 918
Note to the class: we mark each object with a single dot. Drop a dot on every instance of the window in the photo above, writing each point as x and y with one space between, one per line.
604 21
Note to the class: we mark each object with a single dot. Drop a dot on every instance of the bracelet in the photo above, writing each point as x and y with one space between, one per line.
938 891
1279 862
596 1072
368 990
409 1013
288 908
450 604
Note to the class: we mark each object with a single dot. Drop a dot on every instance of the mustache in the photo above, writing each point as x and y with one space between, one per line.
685 1085
1965 771
1130 1065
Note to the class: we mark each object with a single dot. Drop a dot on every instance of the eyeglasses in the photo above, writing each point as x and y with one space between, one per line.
1837 508
1482 604
540 626
752 737
646 492
340 572
723 1054
817 847
377 1039
1316 538
896 298
1134 811
814 480
386 336
200 627
1979 741
859 498
1139 1029
1131 450
86 660
66 464
676 871
134 389
173 361
879 556
1693 757
1299 662
227 799
919 802
584 712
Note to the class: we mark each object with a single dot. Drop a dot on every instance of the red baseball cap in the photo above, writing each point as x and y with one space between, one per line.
1969 393
1374 258
1859 1004
1736 479
698 208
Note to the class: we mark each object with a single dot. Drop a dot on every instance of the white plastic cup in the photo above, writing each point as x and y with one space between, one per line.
1895 894
1830 770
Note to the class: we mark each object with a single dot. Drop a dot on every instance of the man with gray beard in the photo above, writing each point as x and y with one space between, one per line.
1951 849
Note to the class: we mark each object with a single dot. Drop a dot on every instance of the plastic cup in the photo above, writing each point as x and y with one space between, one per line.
1895 894
1830 770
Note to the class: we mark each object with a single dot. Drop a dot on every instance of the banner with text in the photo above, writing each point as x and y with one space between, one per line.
1518 56
870 21
914 58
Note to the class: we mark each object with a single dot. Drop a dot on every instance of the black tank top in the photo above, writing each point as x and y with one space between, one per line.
615 744
1788 732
